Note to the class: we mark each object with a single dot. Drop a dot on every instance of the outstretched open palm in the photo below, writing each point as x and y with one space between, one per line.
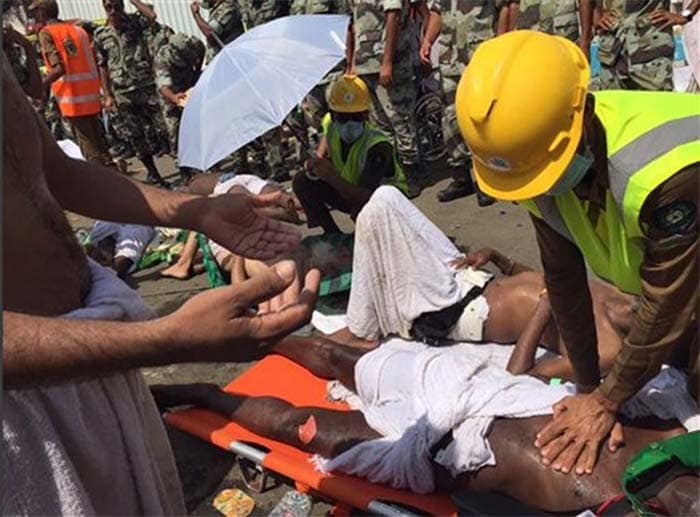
237 222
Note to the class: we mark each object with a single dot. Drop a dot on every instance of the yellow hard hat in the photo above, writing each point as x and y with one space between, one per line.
520 105
349 94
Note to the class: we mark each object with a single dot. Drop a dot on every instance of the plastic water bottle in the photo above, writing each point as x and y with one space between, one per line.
292 504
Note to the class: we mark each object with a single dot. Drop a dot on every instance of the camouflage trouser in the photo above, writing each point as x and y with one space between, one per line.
393 111
457 152
161 127
119 148
634 62
136 122
59 127
171 119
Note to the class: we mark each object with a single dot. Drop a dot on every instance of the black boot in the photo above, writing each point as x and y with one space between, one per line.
413 180
153 177
483 200
460 187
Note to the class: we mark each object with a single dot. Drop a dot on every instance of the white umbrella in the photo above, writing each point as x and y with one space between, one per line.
254 82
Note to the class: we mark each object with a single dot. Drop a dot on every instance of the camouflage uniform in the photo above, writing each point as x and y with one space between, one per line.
157 37
257 12
177 65
18 60
465 25
125 54
558 17
635 55
314 104
226 20
270 147
393 108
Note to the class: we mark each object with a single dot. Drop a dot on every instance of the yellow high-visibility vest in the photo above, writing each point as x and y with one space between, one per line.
351 168
650 136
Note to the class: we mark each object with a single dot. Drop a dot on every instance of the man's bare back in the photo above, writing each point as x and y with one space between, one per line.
513 300
34 225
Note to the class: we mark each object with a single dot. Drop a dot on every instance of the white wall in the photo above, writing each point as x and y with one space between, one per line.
175 13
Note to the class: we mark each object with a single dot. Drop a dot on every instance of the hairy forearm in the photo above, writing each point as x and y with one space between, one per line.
114 197
392 31
39 350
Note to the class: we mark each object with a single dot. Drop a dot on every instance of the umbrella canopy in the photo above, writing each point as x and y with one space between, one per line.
254 82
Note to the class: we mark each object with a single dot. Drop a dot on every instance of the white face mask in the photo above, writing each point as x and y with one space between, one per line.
574 173
350 130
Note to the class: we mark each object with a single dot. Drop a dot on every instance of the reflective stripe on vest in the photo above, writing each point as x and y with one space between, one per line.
351 169
649 136
78 90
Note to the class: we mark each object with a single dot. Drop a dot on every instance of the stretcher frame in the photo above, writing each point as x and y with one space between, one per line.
258 456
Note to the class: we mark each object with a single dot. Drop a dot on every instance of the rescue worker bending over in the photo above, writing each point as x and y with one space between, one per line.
610 178
360 159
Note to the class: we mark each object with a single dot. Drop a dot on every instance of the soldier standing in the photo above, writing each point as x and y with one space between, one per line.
178 65
22 56
461 27
269 148
126 68
225 23
379 52
635 42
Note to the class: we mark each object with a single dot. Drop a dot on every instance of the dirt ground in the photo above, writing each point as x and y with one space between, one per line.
204 469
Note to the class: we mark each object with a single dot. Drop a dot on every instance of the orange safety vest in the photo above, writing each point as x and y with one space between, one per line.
78 90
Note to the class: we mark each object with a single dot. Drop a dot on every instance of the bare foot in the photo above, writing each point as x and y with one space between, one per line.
178 271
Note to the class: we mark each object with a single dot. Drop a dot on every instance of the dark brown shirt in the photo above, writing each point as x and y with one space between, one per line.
667 317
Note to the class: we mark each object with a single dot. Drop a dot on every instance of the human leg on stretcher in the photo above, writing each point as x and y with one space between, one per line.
517 472
410 280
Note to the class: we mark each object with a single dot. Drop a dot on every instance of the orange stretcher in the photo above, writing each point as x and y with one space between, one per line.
277 376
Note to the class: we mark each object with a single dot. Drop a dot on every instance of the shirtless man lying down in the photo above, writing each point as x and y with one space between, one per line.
517 472
410 280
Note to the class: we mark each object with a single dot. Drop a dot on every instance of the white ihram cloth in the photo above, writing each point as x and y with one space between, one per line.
414 395
94 446
401 269
226 182
130 240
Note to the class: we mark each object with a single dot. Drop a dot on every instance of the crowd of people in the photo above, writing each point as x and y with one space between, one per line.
608 172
